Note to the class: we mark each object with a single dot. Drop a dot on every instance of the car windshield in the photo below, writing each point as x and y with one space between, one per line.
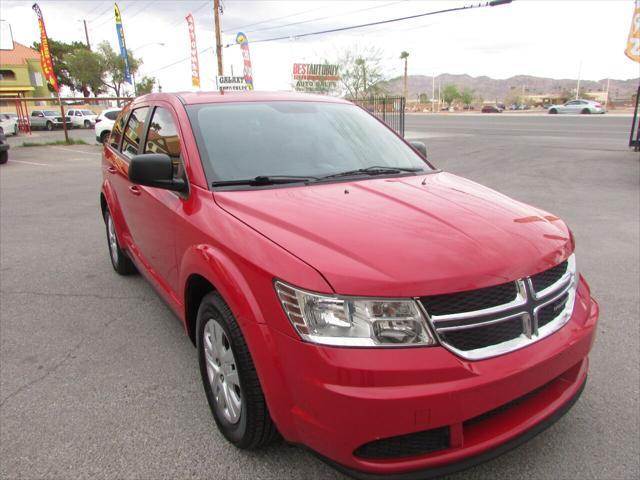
50 113
245 140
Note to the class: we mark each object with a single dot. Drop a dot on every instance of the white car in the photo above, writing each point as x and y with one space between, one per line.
578 107
104 123
8 124
82 118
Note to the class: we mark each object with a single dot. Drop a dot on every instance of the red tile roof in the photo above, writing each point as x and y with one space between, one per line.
19 55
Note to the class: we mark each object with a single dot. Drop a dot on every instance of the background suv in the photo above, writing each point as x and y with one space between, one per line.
104 123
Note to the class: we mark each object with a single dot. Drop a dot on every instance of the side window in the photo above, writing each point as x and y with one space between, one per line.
133 132
111 115
163 138
116 132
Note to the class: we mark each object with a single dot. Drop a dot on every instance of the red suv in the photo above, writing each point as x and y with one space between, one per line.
391 317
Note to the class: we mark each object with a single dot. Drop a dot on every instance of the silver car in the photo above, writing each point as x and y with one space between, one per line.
577 107
48 119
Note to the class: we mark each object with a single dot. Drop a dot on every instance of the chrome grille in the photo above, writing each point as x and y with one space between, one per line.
492 321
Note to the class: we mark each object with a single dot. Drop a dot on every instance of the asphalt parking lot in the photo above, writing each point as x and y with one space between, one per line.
98 379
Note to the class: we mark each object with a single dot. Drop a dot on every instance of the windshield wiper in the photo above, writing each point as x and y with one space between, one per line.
261 180
373 170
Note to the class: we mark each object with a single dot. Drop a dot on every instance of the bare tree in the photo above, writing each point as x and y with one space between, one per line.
361 72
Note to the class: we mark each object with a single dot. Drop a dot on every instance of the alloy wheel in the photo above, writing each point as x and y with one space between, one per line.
113 241
222 372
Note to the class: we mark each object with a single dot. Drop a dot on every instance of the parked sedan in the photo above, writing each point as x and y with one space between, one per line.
47 119
104 123
8 124
82 118
491 109
578 107
342 291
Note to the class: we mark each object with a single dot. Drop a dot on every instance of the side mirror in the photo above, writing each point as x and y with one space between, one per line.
420 147
155 170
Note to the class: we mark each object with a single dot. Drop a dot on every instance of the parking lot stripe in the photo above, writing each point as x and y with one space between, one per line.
76 151
31 163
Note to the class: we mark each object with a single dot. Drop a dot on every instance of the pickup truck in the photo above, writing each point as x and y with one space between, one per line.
47 119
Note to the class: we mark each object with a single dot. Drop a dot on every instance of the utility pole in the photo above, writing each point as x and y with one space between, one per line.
578 86
216 22
606 98
86 34
433 92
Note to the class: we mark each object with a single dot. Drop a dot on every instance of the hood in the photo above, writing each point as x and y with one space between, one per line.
407 236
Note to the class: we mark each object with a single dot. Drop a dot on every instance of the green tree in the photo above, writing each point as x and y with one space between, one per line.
145 85
423 98
86 69
467 97
361 72
114 67
59 52
450 94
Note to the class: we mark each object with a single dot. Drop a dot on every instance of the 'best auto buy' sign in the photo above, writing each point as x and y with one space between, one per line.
315 77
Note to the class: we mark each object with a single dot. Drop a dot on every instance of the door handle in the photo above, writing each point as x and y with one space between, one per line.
135 190
112 170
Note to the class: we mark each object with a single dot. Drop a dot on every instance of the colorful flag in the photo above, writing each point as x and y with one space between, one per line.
195 65
633 43
241 39
45 54
123 45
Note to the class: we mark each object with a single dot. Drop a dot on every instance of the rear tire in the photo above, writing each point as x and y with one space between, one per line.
87 124
4 157
553 111
237 404
104 136
119 259
49 126
585 111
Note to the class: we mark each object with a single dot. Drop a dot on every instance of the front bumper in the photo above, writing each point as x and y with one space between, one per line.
335 400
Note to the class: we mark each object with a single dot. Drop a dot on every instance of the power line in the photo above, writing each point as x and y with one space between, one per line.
241 27
491 3
325 17
178 61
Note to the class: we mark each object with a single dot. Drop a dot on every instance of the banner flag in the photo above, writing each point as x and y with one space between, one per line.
195 65
241 39
633 43
123 45
45 54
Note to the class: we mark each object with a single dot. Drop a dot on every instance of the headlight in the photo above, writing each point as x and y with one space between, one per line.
354 321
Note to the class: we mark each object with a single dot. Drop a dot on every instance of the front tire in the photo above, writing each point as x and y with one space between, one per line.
49 126
104 136
119 259
585 111
229 377
87 124
4 157
553 111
